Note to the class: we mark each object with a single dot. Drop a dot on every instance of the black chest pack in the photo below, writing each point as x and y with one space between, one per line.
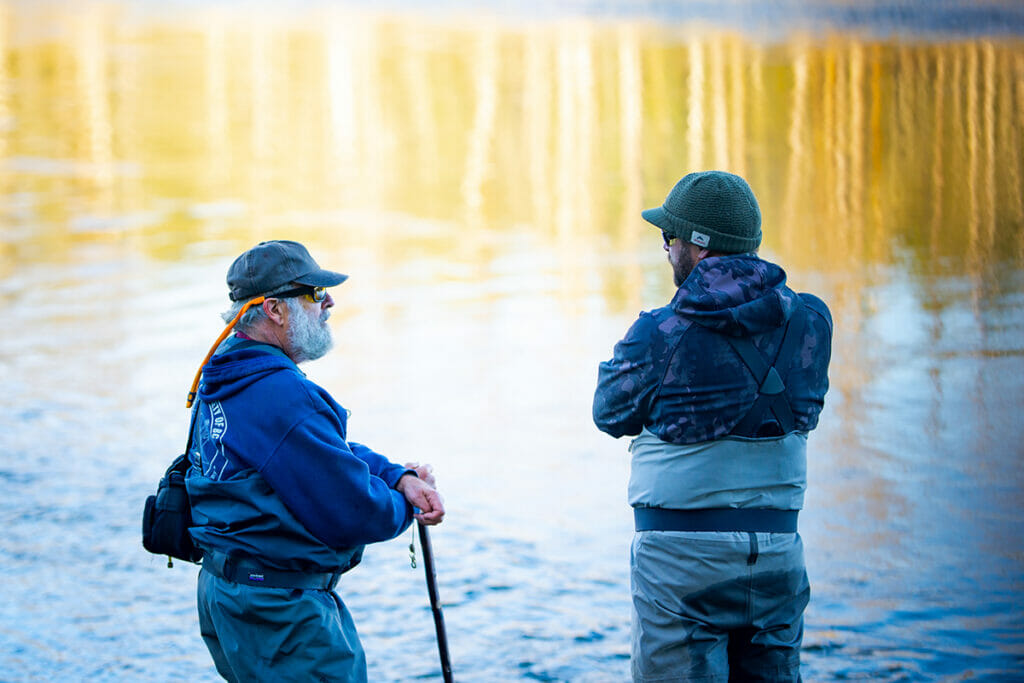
167 516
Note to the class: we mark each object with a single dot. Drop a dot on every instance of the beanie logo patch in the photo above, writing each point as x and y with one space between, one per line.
700 239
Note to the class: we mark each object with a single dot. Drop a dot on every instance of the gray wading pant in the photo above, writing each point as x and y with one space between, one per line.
278 634
717 606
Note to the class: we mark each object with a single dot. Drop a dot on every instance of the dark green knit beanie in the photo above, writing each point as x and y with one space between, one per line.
712 209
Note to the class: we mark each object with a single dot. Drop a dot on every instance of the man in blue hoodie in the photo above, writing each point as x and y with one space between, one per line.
719 389
282 501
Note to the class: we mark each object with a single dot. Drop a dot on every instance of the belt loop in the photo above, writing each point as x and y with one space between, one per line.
752 557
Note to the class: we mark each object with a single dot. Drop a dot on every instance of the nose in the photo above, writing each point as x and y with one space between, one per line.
328 302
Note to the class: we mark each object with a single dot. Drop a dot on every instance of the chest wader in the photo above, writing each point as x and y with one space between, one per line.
729 618
770 416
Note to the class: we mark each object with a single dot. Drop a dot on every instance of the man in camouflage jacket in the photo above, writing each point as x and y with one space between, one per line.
720 389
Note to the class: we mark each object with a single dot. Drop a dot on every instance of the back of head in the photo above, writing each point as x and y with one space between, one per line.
712 209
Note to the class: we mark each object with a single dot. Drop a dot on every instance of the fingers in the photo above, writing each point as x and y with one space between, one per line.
431 507
424 471
430 518
428 500
427 520
421 494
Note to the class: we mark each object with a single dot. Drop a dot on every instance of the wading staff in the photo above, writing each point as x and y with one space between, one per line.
435 602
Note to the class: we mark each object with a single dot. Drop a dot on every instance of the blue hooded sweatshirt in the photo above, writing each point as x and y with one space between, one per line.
676 374
272 475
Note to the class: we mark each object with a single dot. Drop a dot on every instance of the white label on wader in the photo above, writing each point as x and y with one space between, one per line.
700 239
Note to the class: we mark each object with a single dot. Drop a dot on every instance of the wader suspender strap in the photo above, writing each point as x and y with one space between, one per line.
771 388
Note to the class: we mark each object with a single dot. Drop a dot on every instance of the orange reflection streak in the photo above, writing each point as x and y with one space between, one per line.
630 95
937 164
717 84
696 98
876 134
856 127
841 145
793 202
737 90
826 131
973 135
988 103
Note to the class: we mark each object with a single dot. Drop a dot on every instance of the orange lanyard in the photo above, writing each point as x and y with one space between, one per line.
222 337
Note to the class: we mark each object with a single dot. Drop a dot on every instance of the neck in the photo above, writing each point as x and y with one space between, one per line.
270 334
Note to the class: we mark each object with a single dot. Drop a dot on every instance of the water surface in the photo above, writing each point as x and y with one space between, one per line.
481 179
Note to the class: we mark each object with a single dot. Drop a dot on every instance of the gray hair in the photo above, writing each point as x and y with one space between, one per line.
255 313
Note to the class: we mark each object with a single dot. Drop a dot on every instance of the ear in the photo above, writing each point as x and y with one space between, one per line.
275 310
703 254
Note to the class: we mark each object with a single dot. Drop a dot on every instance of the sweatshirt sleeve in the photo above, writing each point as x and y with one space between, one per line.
627 383
378 464
342 493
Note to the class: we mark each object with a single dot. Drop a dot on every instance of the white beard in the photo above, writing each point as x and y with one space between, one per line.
308 334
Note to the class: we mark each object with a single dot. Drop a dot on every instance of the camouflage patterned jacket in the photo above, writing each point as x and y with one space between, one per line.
677 375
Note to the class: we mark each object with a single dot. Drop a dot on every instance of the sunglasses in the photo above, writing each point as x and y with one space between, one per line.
314 294
668 238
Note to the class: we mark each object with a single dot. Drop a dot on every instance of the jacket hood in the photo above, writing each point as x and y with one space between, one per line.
739 295
228 373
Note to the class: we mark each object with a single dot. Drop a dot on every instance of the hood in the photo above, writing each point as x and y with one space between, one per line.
228 373
739 295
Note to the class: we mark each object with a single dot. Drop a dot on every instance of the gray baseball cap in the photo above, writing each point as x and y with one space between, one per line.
273 264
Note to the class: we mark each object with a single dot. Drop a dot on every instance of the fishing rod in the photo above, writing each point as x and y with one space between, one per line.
435 602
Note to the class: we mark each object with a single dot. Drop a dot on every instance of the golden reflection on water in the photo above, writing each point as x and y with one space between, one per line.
224 126
857 149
